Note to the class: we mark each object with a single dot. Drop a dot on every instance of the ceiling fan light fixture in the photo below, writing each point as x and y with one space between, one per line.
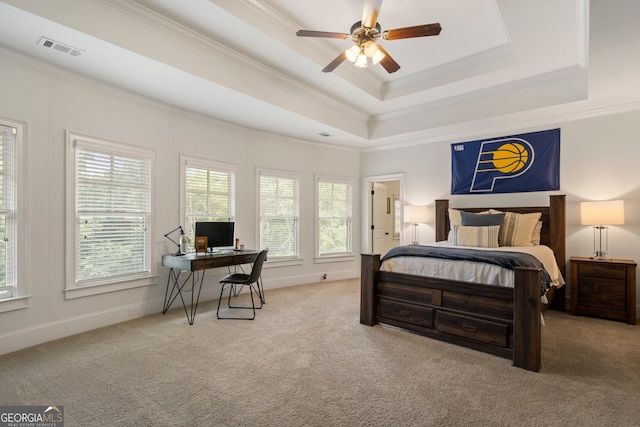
361 61
352 53
370 49
377 57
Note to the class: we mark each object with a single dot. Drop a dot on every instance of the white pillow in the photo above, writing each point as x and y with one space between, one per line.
483 237
454 219
517 229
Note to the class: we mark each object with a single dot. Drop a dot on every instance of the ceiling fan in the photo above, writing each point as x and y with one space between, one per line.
365 33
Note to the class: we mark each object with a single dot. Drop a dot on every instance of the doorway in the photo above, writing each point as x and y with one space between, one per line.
384 198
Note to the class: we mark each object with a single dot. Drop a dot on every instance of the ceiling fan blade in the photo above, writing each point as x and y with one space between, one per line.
370 13
388 62
333 64
309 33
409 32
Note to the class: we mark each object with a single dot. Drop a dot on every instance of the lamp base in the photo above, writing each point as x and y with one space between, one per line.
415 235
600 242
600 255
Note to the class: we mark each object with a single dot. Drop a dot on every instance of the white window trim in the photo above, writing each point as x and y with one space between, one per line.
281 261
350 256
71 289
21 299
185 161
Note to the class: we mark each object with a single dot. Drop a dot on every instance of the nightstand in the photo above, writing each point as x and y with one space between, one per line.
603 288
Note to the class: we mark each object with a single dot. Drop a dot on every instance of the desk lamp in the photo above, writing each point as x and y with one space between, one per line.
182 239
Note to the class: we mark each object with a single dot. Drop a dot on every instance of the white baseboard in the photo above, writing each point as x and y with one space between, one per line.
38 334
283 282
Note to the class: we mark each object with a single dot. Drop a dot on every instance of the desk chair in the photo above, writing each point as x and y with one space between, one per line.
252 280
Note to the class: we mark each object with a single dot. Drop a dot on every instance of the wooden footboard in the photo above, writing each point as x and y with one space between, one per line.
497 320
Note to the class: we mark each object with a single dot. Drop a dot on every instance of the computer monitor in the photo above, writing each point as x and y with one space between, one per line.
219 234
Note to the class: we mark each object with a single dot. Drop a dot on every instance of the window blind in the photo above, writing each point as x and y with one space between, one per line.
8 223
210 196
334 218
113 210
279 215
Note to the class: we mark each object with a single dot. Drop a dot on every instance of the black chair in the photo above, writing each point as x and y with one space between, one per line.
253 281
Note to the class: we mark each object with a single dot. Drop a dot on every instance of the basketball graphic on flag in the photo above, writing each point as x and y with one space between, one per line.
510 157
501 159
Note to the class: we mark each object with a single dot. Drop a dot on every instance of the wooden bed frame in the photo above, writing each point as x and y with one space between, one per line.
497 320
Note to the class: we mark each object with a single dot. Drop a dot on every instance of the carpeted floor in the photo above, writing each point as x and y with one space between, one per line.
306 361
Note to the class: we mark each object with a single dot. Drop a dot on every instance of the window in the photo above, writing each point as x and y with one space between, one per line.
12 217
209 192
109 216
279 213
334 231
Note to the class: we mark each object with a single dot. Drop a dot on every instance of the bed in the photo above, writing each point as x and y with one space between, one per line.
501 320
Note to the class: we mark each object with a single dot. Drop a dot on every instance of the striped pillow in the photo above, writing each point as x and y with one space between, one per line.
479 237
517 229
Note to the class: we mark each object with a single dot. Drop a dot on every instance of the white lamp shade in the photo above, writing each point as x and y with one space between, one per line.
416 214
352 53
370 48
608 212
378 56
361 61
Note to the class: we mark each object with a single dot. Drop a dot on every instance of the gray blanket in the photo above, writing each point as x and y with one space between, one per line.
509 260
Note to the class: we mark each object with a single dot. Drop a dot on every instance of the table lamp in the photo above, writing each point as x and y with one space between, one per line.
600 215
416 215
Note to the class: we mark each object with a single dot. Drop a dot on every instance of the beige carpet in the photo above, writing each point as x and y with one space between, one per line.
306 360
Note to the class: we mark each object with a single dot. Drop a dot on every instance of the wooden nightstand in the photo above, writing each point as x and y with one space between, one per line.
603 288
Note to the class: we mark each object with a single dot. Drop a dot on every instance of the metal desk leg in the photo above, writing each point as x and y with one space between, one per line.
169 297
194 302
177 287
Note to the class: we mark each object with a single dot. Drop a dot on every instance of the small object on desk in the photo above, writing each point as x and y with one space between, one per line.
603 288
242 247
201 244
237 243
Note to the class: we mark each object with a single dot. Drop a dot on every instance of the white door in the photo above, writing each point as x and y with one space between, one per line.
379 233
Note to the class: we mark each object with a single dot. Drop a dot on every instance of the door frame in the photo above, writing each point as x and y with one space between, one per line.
367 212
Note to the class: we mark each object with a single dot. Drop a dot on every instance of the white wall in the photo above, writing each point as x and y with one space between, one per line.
51 101
598 162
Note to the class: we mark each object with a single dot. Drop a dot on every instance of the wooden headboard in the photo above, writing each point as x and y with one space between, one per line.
553 219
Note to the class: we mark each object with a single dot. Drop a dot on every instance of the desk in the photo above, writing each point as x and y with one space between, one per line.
192 263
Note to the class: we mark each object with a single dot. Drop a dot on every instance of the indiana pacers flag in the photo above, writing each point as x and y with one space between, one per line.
511 164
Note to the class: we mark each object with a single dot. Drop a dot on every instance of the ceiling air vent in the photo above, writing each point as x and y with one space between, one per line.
60 47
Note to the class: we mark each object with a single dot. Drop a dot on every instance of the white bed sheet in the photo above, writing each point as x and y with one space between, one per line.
471 271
